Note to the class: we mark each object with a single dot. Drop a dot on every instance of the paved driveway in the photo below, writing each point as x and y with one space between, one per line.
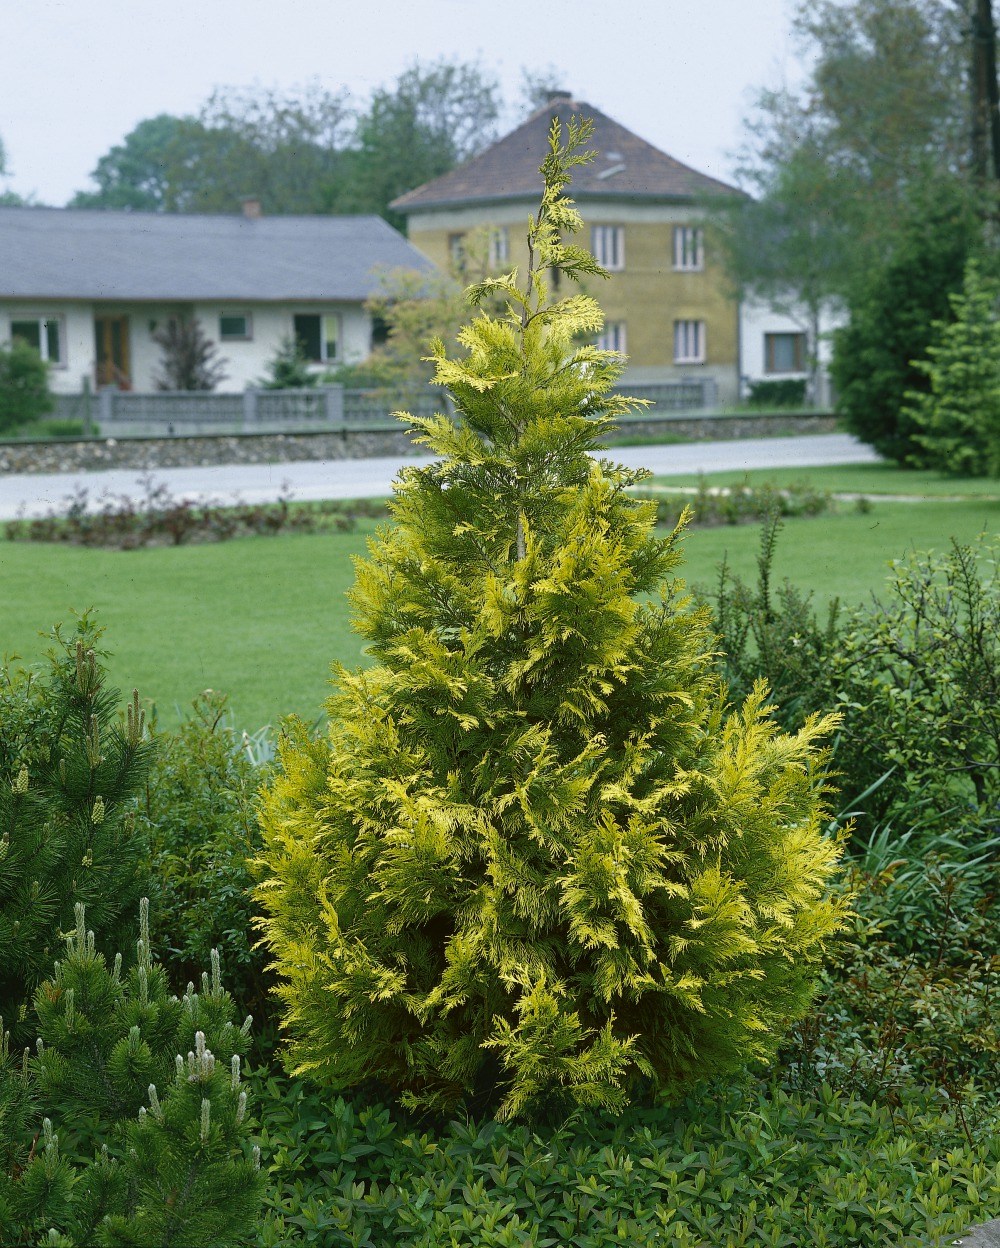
34 494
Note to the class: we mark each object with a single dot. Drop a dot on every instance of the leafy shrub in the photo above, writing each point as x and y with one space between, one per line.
534 858
957 420
159 518
178 1174
70 774
24 386
738 504
789 392
915 673
202 826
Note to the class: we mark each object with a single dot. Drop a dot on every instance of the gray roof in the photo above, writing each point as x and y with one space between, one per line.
76 254
627 167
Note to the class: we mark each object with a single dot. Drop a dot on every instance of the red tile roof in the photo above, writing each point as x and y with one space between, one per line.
627 167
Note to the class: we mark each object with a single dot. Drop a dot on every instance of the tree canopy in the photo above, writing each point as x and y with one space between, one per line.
308 150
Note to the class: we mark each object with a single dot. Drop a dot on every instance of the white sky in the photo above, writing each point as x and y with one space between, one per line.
77 75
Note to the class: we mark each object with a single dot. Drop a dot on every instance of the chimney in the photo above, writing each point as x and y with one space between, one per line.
251 207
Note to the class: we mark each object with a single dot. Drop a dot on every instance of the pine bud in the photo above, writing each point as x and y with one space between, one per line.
21 783
234 1066
4 845
154 1103
206 1114
135 720
241 1107
88 859
97 814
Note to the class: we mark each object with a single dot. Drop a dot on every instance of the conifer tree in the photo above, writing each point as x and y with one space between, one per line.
537 854
155 1145
70 772
957 421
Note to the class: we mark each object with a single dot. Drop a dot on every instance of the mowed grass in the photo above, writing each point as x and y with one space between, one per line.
263 618
883 478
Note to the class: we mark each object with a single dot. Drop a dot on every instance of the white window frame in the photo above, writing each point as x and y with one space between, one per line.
246 317
689 342
324 343
607 242
613 337
43 322
689 248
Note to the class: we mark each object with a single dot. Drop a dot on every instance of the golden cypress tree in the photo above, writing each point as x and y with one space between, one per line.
536 850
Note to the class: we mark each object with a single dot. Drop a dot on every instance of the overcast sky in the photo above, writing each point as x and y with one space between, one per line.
77 75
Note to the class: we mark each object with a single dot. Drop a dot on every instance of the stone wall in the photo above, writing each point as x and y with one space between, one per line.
94 454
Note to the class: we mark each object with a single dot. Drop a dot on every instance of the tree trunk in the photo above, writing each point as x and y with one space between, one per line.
985 95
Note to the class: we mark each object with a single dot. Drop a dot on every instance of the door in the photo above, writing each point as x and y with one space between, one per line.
111 343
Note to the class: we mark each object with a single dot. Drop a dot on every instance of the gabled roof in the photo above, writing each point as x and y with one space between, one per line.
78 254
627 167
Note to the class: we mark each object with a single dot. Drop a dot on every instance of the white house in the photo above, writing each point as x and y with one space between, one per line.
779 342
89 288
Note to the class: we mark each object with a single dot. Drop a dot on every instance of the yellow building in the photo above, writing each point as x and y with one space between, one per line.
667 304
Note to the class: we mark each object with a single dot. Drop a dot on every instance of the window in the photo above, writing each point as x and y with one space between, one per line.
784 353
689 247
456 250
689 342
499 247
608 245
613 337
318 337
45 334
235 327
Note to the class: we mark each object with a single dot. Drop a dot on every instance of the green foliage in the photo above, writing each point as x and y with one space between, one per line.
24 386
957 421
288 368
535 856
751 1165
431 119
108 1171
189 361
70 774
202 828
301 151
915 673
893 311
786 393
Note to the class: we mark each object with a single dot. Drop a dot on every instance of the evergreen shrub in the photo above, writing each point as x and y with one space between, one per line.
109 1137
71 771
538 858
957 419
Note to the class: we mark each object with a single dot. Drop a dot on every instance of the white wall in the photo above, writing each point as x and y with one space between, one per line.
758 319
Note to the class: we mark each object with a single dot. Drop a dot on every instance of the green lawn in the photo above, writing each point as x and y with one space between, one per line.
882 478
262 618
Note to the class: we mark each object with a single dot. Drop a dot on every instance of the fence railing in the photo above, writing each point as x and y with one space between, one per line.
129 413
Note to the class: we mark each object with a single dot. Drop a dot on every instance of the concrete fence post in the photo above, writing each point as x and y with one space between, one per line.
333 397
249 409
106 408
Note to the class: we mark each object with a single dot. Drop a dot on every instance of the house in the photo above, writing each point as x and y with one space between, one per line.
667 303
89 289
782 340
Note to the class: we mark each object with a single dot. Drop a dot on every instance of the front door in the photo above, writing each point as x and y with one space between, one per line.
111 342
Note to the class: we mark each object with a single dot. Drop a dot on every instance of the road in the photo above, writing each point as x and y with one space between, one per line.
35 494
